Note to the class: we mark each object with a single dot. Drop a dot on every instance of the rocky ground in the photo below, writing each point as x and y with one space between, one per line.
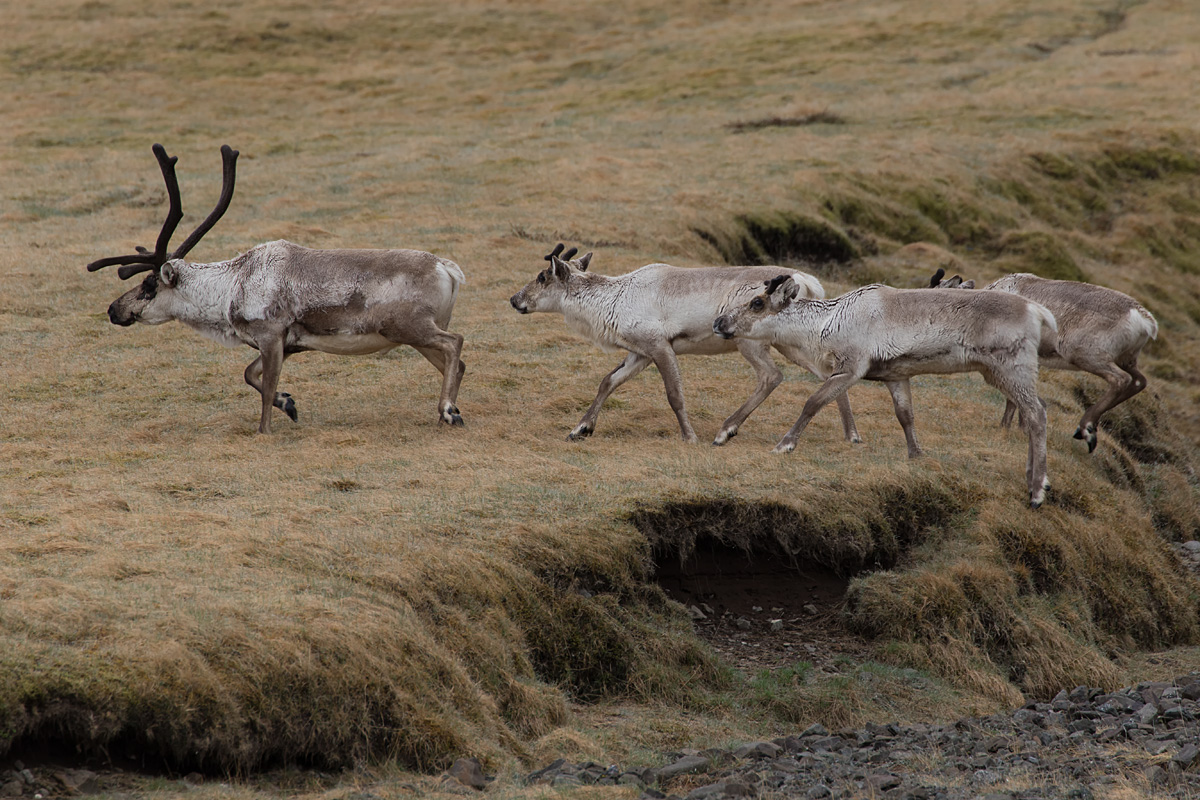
1085 743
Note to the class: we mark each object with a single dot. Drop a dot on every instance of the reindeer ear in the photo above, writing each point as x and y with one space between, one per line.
952 283
781 290
967 285
559 268
584 261
167 274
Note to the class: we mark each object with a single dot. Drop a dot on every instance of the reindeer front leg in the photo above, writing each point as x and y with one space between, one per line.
283 400
835 386
271 364
632 365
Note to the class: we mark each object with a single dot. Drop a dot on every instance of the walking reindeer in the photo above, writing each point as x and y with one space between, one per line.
656 313
878 333
281 299
1100 330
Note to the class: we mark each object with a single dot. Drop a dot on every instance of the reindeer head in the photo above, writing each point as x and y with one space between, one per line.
544 292
778 294
150 302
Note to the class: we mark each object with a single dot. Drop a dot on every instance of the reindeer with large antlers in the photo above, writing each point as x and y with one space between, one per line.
281 299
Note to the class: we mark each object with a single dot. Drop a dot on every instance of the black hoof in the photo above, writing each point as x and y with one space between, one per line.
1091 443
289 407
576 436
456 421
1079 433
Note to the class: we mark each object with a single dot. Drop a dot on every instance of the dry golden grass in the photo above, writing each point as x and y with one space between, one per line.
367 584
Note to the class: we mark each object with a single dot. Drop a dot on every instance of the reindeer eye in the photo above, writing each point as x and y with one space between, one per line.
541 277
757 304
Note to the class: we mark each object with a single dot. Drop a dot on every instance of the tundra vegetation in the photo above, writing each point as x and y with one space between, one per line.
371 585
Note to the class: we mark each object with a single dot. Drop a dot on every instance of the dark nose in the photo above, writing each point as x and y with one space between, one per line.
719 328
515 303
114 316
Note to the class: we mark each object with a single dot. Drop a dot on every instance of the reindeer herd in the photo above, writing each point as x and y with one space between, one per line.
280 298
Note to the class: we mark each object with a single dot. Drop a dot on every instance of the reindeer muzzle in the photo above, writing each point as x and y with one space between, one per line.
118 317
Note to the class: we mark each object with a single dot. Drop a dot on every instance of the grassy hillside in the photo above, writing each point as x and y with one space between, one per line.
368 584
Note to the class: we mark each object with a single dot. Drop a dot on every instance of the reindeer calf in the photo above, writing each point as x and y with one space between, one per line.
883 334
1101 331
659 312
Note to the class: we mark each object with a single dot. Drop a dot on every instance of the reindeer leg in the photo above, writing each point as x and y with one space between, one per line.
1010 408
271 358
668 367
769 377
849 429
443 351
833 387
1122 385
283 400
1020 389
632 365
902 402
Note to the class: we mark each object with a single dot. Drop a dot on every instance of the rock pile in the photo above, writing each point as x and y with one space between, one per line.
1084 742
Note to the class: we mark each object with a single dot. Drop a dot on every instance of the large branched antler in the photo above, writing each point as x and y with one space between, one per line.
144 260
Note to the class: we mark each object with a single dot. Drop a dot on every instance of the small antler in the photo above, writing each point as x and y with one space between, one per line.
144 260
937 278
558 249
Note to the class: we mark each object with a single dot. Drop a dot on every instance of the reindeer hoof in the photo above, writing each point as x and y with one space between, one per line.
579 434
452 416
289 407
784 447
1088 434
723 437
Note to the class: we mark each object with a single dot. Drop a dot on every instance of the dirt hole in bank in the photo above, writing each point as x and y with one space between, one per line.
761 609
749 594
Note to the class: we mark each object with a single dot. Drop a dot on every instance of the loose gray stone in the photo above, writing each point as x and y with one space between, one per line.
682 767
1186 755
758 750
882 783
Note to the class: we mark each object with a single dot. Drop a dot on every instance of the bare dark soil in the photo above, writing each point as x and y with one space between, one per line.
761 612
